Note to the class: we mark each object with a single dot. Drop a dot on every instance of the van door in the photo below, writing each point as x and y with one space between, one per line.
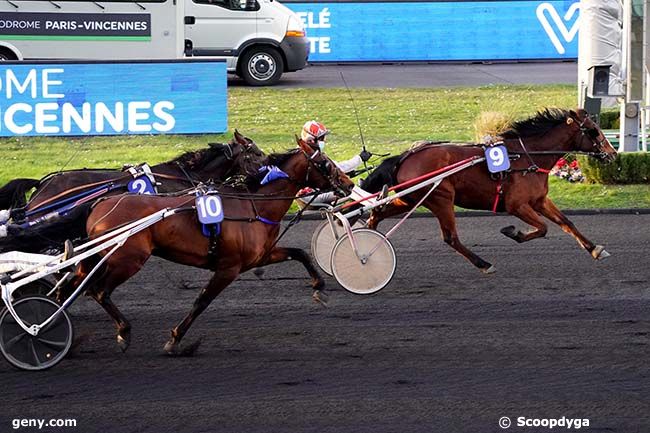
218 27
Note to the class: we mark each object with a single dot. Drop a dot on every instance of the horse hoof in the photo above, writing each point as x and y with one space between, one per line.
320 297
599 253
175 349
259 272
509 231
171 348
123 343
489 270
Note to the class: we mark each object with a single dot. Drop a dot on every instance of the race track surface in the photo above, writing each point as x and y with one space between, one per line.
443 348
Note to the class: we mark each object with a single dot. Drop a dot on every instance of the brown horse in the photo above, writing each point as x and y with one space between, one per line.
34 233
539 141
247 238
217 162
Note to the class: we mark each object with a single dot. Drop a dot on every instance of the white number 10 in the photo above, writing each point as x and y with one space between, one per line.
209 206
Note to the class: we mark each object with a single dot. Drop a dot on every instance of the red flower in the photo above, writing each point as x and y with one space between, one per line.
561 162
574 164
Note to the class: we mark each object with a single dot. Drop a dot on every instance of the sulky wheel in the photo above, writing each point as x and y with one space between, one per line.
323 241
38 287
367 273
38 352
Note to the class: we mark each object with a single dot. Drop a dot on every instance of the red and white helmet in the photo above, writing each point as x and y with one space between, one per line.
313 132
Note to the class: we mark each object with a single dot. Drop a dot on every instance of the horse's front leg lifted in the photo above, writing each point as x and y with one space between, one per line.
529 216
550 211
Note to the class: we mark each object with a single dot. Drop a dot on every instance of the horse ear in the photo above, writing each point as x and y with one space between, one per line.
303 146
239 138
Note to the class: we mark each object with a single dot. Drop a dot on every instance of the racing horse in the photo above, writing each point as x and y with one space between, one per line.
247 235
522 191
217 162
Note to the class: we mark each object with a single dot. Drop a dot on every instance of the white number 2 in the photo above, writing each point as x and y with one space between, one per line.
140 186
496 155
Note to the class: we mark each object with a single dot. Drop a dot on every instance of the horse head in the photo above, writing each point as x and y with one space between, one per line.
589 137
247 156
322 172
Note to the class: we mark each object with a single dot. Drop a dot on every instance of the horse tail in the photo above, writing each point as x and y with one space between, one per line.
12 195
384 174
49 234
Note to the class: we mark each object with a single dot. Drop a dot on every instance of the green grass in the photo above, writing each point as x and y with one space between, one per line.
391 119
587 196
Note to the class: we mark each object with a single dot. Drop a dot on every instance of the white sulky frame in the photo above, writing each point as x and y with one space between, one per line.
336 212
113 240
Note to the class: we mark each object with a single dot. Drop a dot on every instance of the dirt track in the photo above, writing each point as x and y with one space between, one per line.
442 349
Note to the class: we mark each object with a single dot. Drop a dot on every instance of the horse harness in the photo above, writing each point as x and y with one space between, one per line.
589 133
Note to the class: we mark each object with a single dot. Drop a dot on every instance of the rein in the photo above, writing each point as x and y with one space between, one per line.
75 189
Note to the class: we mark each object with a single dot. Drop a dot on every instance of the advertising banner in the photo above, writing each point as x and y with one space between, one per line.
440 31
74 26
108 98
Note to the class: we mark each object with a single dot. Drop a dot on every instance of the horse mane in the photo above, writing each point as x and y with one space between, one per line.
539 124
198 159
384 174
252 179
278 159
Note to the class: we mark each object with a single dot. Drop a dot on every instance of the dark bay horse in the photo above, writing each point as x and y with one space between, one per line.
217 162
540 141
247 238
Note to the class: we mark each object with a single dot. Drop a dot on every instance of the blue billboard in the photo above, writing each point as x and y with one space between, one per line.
109 98
440 31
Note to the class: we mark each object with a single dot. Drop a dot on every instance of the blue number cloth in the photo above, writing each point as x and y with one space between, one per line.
141 185
272 173
497 159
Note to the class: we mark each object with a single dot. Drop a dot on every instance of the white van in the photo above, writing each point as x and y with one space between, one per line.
260 39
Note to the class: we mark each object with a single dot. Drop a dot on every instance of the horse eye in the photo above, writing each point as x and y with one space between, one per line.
593 132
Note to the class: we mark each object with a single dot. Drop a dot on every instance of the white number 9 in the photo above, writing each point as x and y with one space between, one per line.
496 155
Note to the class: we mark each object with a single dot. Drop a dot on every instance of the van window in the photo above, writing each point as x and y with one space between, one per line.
234 5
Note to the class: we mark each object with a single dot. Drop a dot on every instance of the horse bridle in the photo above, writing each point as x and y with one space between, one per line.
325 168
592 135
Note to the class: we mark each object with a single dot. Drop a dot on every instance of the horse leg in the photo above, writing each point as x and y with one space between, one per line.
118 269
528 215
550 211
444 211
278 255
121 323
219 281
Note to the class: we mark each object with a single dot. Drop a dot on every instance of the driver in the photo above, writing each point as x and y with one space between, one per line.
315 134
15 261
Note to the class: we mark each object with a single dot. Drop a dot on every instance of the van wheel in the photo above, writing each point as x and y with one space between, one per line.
6 54
261 66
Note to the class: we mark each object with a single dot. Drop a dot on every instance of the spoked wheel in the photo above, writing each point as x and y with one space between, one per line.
39 288
323 241
370 271
38 352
